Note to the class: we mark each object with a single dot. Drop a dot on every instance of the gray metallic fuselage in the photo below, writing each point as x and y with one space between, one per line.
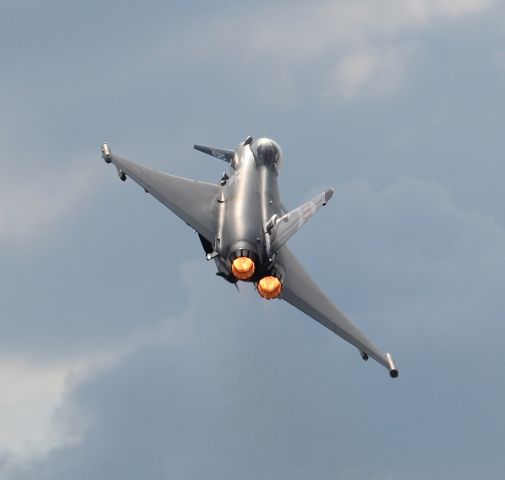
249 199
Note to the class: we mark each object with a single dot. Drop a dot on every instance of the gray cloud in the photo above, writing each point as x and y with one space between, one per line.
268 392
417 263
172 78
32 205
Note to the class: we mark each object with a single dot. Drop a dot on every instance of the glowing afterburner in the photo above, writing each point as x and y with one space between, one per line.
243 268
269 287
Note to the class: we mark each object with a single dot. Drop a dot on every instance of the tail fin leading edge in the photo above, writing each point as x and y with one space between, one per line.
221 153
281 229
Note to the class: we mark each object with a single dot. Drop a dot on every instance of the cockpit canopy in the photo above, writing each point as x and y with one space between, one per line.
267 152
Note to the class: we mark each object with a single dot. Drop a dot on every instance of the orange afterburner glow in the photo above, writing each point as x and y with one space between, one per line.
269 287
242 268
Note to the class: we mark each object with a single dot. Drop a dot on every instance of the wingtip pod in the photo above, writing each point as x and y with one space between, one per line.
327 195
107 156
393 371
106 153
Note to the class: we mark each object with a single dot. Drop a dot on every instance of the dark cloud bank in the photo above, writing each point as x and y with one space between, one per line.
241 388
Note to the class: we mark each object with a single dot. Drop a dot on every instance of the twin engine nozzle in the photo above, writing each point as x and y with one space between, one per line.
269 286
243 268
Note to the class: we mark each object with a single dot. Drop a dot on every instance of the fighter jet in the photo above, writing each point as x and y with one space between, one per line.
243 227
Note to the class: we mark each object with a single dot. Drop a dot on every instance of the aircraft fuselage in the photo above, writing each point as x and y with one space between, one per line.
250 197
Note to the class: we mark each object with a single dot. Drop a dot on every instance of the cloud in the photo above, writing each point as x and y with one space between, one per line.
269 393
357 47
30 393
443 261
33 420
372 73
240 385
453 8
37 202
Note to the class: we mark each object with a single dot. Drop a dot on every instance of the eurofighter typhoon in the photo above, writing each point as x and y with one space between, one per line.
244 228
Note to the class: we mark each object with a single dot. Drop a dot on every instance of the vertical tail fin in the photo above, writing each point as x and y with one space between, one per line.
221 153
281 229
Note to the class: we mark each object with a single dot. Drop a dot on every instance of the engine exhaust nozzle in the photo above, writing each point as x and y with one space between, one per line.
269 287
243 268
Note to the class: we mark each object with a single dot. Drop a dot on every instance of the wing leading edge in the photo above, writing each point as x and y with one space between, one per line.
190 200
300 291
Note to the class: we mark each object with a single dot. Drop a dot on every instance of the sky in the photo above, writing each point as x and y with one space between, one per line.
122 355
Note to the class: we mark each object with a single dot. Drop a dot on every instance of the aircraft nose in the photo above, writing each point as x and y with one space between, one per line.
267 152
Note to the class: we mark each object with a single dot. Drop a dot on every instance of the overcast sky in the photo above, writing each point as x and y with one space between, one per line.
122 355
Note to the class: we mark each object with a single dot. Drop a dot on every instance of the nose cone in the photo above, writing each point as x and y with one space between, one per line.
243 268
267 152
